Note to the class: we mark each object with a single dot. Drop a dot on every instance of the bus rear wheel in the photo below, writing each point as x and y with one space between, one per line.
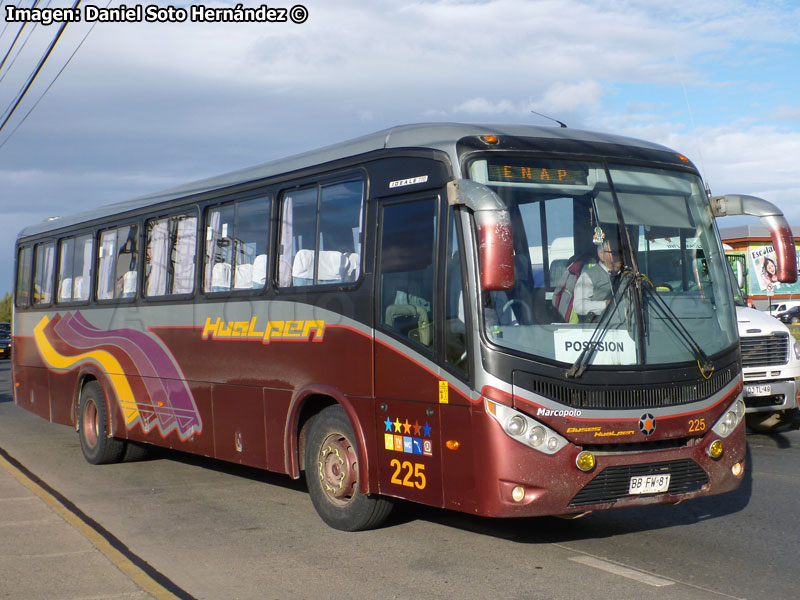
331 462
98 448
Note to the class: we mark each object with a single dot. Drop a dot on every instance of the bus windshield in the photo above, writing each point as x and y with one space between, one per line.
613 265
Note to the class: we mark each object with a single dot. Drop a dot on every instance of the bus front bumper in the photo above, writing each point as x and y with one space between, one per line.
530 483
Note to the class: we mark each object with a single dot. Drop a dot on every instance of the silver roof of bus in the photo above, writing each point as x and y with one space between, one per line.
437 136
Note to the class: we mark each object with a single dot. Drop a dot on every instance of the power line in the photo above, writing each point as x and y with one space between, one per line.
16 37
38 69
35 104
21 48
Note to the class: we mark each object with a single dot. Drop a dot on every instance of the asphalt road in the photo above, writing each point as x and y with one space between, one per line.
222 531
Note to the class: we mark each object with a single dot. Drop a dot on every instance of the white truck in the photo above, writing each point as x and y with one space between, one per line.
770 364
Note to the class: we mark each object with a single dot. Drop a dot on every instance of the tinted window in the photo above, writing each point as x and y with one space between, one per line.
170 255
406 265
237 238
455 330
43 273
118 263
24 267
321 234
74 269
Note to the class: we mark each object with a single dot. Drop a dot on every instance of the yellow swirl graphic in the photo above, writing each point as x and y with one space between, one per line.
57 361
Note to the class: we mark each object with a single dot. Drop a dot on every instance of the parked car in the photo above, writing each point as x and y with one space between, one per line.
778 307
5 343
790 316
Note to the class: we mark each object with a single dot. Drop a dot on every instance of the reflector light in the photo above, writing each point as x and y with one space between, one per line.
716 449
452 444
490 139
585 461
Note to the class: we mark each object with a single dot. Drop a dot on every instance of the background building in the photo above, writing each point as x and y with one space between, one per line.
752 247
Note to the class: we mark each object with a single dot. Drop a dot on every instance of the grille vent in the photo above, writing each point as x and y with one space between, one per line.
612 483
630 397
765 350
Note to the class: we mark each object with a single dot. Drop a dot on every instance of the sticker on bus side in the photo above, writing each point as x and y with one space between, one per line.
150 390
297 331
410 181
407 437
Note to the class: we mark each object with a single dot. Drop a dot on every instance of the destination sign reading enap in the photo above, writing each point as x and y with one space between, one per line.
517 172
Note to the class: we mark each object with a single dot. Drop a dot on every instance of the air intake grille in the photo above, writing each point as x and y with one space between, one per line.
630 397
613 483
765 350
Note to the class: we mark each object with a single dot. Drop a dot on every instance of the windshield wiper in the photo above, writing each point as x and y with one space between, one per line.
703 361
580 364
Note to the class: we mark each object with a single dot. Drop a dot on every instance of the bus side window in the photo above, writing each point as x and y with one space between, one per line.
219 249
236 242
406 266
117 267
24 267
43 273
455 329
170 255
321 235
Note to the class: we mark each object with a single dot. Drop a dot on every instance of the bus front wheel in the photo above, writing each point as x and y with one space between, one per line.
98 448
331 462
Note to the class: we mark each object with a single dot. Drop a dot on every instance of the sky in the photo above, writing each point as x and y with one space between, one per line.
144 106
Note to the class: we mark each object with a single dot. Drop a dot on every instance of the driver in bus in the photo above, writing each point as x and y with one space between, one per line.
594 288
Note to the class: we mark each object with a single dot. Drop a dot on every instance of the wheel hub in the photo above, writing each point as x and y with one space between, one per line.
338 468
89 424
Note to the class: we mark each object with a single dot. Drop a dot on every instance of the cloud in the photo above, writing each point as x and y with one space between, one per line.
787 113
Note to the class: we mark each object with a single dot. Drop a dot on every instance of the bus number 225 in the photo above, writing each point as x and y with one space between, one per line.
413 474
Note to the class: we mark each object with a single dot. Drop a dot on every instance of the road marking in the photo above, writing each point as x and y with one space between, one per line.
616 569
74 516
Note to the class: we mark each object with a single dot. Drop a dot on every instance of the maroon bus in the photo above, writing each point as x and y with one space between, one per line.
470 317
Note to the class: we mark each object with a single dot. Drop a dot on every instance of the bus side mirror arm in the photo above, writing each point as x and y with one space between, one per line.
495 237
772 217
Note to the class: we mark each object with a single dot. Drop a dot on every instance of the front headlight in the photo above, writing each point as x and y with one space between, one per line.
796 349
526 430
730 419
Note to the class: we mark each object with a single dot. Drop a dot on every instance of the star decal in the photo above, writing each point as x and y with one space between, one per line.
397 425
406 427
388 423
417 427
426 429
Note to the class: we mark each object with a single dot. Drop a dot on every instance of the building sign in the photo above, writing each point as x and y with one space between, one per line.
762 276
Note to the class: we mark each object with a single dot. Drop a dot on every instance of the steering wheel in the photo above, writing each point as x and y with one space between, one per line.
522 303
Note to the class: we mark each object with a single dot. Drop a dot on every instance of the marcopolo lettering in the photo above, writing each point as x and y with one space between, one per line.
547 412
606 346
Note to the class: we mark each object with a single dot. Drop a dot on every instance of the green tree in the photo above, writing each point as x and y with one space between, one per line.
5 308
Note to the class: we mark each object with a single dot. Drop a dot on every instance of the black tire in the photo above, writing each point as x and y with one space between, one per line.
135 451
331 461
773 422
98 448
